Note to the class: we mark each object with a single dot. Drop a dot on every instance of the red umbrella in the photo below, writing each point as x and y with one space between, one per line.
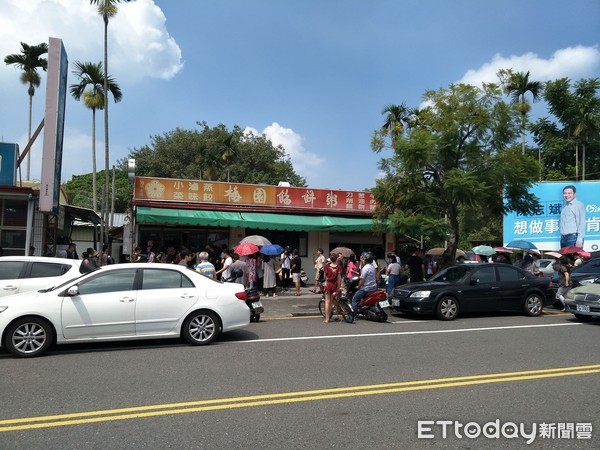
584 254
569 250
503 250
246 248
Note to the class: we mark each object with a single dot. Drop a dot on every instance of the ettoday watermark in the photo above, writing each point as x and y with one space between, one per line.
444 429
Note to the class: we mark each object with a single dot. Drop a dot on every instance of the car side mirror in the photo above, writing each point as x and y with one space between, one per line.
73 291
474 281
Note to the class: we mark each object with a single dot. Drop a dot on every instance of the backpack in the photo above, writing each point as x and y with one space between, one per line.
236 273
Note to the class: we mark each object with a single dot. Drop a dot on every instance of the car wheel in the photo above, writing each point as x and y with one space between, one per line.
29 337
533 305
254 317
447 308
201 328
583 318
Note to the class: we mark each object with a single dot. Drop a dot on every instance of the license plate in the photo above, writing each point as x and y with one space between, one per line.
583 308
384 304
257 305
395 302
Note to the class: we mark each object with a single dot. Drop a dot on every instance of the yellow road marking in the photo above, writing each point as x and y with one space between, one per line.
60 420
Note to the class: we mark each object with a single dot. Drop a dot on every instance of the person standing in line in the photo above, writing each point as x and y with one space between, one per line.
72 251
393 272
269 277
205 267
227 261
260 273
572 219
416 266
563 267
352 270
105 258
238 271
296 270
333 282
286 265
319 261
185 257
251 264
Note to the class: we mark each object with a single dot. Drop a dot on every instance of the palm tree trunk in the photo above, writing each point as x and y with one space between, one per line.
576 162
94 193
583 161
106 148
29 136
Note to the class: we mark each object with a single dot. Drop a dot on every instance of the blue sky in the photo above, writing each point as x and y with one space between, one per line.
313 75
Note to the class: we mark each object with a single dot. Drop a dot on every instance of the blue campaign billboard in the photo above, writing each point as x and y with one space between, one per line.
544 228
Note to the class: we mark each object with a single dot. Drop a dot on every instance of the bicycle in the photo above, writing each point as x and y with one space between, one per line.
338 308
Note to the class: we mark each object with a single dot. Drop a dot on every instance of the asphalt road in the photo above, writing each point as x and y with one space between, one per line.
297 383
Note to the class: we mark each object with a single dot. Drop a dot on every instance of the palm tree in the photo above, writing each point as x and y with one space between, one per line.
586 114
396 116
516 85
29 60
91 87
107 9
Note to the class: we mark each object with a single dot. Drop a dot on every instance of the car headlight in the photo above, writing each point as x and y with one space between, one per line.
586 282
3 308
569 295
420 294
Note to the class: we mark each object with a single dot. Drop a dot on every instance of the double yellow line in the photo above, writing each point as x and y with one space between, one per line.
29 423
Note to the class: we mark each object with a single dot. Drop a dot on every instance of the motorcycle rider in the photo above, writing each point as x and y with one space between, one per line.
366 284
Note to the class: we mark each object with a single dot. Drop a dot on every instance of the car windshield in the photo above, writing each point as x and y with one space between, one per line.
452 275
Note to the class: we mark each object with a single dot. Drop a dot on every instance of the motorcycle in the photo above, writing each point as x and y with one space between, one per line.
253 302
372 305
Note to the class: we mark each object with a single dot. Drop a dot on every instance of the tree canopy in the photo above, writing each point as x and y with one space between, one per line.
215 154
458 158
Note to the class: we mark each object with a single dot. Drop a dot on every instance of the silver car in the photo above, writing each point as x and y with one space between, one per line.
584 301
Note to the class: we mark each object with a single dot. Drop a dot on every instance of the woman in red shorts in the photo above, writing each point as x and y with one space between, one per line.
333 281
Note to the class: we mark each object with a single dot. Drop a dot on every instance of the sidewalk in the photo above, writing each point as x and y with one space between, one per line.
286 304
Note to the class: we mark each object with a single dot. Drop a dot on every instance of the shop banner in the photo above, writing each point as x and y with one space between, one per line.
194 191
543 228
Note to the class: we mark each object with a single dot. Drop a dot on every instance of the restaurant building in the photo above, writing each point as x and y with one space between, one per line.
196 213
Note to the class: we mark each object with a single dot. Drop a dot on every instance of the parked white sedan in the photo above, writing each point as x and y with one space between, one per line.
123 302
30 273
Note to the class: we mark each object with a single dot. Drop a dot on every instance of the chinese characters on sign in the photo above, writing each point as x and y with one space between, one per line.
162 189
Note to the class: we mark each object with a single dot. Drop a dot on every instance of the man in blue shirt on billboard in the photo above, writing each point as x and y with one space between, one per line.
572 219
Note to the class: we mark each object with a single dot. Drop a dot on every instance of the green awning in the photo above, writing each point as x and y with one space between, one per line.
261 221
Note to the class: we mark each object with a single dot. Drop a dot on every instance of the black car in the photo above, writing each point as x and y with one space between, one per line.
484 287
582 275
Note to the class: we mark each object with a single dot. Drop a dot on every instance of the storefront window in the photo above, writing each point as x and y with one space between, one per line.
14 213
13 239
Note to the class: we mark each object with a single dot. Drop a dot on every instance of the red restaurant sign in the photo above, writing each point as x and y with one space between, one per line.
194 191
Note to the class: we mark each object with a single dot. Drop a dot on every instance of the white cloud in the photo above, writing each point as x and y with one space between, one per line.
138 41
306 163
573 62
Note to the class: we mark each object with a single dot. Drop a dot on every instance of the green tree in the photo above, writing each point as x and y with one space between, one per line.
106 9
91 87
457 159
517 85
200 154
29 61
79 188
574 122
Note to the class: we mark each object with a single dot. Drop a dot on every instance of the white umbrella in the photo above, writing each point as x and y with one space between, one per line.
256 240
